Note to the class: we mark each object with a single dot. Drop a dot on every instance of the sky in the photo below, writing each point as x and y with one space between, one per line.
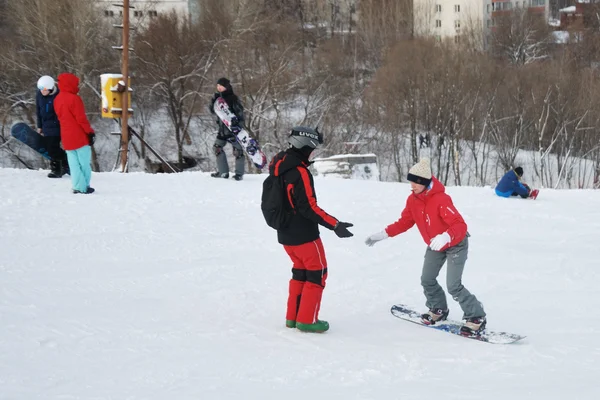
171 286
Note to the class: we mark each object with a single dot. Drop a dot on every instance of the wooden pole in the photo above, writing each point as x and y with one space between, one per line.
125 93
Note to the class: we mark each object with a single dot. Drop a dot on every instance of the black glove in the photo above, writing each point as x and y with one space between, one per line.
92 138
341 229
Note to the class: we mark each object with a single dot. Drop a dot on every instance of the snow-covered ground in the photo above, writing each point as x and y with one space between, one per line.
162 287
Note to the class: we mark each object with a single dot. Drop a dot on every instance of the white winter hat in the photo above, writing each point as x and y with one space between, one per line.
45 82
420 172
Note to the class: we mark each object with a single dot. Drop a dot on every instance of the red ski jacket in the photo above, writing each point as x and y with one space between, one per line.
434 213
74 125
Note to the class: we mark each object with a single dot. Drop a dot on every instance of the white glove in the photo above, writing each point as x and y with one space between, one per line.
371 240
439 241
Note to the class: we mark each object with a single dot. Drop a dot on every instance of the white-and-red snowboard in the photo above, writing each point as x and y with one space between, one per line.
248 143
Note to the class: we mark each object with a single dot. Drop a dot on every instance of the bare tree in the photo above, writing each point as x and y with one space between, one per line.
522 37
173 57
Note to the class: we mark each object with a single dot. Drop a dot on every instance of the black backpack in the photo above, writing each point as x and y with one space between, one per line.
274 204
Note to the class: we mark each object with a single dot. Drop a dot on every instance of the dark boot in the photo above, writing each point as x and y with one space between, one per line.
55 169
89 190
220 175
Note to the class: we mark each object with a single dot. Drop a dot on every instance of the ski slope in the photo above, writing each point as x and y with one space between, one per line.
161 287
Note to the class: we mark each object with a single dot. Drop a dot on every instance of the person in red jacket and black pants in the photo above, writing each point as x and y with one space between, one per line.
77 134
445 232
300 238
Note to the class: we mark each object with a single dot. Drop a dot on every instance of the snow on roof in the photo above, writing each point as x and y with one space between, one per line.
570 9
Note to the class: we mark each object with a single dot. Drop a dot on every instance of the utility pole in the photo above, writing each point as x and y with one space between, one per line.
123 86
125 93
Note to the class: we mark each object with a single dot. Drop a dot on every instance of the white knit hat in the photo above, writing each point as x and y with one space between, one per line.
420 172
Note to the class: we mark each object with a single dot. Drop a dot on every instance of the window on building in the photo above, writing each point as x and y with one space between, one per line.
457 8
109 13
153 13
438 23
487 8
457 24
538 3
438 8
508 5
457 39
138 14
489 23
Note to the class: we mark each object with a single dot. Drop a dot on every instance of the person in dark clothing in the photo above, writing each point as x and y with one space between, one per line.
301 238
224 135
49 127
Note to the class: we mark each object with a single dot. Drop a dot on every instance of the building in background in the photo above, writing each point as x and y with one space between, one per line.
144 10
447 19
456 19
496 8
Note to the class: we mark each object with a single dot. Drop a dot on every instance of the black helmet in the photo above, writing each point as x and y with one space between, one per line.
302 136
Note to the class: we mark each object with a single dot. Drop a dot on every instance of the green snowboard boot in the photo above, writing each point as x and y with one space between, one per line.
317 327
290 323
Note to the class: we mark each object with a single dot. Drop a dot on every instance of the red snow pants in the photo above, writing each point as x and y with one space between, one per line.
309 274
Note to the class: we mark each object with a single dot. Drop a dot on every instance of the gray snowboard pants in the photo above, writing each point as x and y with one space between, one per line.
238 153
436 298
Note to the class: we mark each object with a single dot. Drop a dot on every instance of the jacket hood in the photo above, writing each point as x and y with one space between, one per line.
285 161
68 83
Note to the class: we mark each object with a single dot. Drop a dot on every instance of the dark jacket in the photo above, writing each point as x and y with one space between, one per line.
302 199
510 184
46 117
234 105
75 127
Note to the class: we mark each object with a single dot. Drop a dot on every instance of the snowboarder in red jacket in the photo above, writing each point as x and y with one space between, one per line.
76 132
445 232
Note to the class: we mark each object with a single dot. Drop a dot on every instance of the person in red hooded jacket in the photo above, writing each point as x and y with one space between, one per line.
445 232
77 134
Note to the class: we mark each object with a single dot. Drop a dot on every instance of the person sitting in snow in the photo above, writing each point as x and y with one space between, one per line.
445 232
224 135
511 185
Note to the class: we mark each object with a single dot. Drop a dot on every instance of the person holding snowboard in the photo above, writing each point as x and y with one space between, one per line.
300 237
49 127
224 135
511 185
77 133
445 233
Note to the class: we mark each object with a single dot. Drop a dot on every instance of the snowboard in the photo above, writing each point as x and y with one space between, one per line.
248 143
25 134
403 312
534 194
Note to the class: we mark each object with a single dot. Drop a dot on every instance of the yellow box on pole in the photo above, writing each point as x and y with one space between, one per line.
112 95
